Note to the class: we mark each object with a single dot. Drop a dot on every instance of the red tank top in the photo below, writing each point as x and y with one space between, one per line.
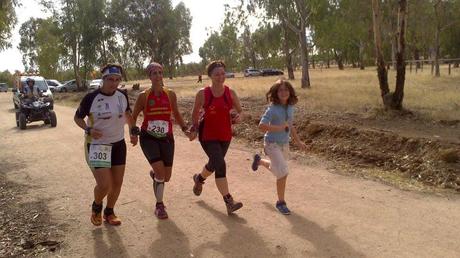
157 114
217 120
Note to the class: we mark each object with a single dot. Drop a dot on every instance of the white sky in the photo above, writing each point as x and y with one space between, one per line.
206 14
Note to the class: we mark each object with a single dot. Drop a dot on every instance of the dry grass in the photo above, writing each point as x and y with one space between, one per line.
354 91
350 90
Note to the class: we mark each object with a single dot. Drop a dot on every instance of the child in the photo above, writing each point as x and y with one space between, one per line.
277 123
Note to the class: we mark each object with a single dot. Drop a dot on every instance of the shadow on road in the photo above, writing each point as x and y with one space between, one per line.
112 246
172 242
325 241
238 241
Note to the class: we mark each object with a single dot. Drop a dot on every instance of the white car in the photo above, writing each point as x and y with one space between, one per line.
53 84
95 84
252 72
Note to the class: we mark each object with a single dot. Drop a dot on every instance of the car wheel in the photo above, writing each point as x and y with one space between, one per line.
22 121
53 119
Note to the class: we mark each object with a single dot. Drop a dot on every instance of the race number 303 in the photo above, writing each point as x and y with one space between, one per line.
100 155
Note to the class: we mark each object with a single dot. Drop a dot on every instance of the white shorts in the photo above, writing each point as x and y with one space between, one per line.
279 155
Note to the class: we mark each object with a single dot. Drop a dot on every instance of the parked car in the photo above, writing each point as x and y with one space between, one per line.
252 72
40 82
3 87
67 86
95 84
268 72
229 75
53 84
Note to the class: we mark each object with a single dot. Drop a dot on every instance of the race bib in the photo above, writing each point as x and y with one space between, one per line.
100 155
158 128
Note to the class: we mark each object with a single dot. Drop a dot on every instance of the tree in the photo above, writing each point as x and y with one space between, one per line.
446 15
70 20
223 45
391 100
297 16
7 21
28 45
158 31
49 49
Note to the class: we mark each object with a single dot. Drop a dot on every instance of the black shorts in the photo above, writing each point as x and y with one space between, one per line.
157 149
118 153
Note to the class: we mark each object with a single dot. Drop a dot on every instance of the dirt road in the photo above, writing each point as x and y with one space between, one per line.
333 215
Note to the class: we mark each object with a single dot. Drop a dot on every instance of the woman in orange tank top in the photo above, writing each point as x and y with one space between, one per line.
158 104
217 102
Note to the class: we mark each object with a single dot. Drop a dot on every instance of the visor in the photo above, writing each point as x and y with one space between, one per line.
112 70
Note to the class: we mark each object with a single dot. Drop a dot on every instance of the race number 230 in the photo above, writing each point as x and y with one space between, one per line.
100 155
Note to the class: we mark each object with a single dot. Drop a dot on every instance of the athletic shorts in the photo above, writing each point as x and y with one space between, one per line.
118 153
279 155
157 149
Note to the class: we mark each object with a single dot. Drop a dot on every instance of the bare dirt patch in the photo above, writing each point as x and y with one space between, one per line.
26 227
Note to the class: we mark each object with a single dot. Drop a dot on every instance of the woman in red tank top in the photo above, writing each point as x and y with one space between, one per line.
217 103
158 104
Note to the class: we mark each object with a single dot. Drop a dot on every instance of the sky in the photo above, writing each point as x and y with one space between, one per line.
206 15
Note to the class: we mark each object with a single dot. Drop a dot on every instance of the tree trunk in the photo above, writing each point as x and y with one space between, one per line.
398 95
304 55
417 57
381 69
76 64
436 39
338 59
287 53
361 55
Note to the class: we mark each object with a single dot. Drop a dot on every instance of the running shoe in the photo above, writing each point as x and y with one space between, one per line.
96 214
255 162
231 204
112 220
198 187
160 211
281 206
96 218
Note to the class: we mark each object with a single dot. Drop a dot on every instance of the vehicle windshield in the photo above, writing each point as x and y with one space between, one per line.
41 84
97 81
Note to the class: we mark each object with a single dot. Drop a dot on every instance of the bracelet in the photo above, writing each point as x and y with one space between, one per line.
134 131
88 130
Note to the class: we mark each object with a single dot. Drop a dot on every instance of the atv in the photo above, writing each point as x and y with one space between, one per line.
35 109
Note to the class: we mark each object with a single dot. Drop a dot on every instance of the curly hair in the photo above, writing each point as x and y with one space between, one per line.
272 94
213 65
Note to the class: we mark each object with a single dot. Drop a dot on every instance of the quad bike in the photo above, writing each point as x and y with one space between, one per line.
35 109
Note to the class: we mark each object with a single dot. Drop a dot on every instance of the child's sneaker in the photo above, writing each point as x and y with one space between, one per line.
281 206
255 162
160 211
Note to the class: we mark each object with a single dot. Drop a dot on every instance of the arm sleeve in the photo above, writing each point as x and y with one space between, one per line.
85 106
267 116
